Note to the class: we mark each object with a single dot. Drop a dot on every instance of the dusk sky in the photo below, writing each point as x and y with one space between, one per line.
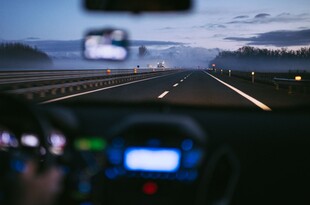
223 24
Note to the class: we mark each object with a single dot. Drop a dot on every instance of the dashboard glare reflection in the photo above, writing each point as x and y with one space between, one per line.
30 140
7 140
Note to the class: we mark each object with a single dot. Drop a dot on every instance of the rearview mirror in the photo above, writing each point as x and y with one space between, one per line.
106 44
138 5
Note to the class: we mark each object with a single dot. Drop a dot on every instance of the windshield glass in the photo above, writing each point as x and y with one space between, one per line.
219 54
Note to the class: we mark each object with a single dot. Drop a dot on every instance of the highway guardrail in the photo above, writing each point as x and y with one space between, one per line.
55 84
17 77
292 84
280 80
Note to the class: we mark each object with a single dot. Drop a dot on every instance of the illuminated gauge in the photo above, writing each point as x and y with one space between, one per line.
57 142
7 140
152 159
90 143
30 140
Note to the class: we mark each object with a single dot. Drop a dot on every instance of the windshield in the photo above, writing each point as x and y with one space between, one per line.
219 54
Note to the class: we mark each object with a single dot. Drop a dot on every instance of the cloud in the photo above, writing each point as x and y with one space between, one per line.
241 17
215 26
167 28
211 26
264 18
32 38
154 43
219 35
277 38
284 14
262 15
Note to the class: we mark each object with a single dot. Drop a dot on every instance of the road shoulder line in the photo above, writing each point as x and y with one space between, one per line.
248 97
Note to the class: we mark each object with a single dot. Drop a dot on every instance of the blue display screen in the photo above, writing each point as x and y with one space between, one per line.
152 159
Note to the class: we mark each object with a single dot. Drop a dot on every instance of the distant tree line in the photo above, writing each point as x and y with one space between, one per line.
251 58
17 55
252 52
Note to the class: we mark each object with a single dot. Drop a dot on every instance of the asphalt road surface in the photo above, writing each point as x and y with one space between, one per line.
195 87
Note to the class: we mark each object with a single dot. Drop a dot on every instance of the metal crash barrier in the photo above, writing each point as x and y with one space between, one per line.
292 84
37 86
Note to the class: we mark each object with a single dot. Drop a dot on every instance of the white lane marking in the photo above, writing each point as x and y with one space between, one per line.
175 85
253 100
181 81
100 89
163 94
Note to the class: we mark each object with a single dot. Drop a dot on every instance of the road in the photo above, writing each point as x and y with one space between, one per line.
194 87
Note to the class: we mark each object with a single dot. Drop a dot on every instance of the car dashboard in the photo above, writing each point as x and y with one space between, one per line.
165 154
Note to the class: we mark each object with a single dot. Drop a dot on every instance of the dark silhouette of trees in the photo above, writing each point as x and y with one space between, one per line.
143 51
17 55
250 52
249 57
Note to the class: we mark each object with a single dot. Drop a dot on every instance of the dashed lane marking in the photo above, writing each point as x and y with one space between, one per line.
163 94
